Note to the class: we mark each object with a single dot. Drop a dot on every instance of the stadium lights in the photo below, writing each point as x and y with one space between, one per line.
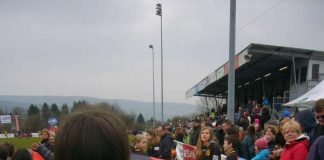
239 86
247 83
283 68
258 79
267 75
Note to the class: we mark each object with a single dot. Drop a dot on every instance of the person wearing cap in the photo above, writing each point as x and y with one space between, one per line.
261 149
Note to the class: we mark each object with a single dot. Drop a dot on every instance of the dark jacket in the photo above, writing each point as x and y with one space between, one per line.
165 147
45 152
315 151
48 145
209 151
231 155
194 136
153 150
316 132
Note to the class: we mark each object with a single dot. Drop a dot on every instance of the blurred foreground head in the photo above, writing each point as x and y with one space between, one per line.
93 134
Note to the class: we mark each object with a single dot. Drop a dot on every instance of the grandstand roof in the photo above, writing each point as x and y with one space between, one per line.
252 63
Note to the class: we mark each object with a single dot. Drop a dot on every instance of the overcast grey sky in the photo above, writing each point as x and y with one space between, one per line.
99 48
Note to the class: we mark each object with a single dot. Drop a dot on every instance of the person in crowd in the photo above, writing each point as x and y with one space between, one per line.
179 134
25 154
249 106
256 112
261 149
153 143
139 144
226 124
297 145
207 147
265 101
249 140
166 143
194 136
243 121
316 150
286 113
92 134
229 143
279 141
269 134
239 147
9 148
306 119
3 153
319 114
43 151
265 115
219 133
45 139
258 129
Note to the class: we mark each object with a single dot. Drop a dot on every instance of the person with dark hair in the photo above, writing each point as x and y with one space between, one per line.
25 154
249 140
194 136
9 148
3 153
319 115
22 154
166 143
92 134
229 143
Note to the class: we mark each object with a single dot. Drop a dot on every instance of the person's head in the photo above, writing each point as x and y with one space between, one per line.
45 135
226 124
206 135
319 111
291 130
152 136
8 147
3 153
93 134
229 143
251 130
140 141
22 154
270 132
260 144
162 130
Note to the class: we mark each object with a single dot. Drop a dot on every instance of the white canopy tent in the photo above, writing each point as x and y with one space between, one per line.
309 98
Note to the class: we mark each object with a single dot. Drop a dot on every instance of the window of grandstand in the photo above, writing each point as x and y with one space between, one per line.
303 74
315 71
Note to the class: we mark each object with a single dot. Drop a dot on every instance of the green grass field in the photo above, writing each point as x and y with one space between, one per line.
21 142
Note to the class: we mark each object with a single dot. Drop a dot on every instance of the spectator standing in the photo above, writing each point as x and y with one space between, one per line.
319 114
261 150
153 143
166 143
229 143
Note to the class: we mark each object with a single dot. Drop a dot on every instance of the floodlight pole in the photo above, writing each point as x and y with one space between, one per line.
231 75
159 13
154 122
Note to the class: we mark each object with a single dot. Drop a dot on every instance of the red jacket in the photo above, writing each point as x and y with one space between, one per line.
296 150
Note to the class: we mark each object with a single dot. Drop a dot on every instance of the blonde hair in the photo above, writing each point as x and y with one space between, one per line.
200 143
138 138
293 125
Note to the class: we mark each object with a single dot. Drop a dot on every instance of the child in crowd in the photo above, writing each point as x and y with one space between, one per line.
229 143
139 144
261 149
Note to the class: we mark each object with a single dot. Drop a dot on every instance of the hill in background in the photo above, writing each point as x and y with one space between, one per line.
7 103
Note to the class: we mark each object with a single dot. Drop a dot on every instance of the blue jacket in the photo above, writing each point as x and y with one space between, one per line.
262 155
